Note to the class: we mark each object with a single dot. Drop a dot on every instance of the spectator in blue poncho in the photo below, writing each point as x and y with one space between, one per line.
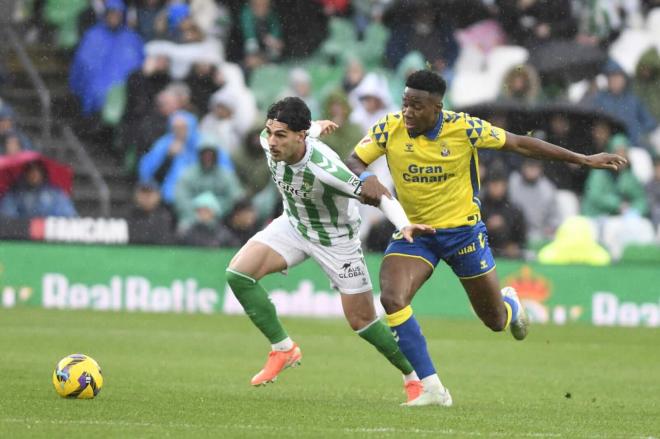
174 152
620 101
107 54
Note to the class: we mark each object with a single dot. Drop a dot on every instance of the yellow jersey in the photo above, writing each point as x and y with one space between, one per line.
436 174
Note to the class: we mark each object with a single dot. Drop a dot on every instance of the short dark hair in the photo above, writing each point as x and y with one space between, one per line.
291 111
428 81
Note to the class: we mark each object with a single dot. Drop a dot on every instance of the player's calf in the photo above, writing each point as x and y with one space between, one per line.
495 319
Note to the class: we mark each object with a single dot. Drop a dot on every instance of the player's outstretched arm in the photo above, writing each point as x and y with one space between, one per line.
538 149
372 189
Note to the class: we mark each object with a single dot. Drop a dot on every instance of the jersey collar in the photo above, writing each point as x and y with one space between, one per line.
308 153
433 133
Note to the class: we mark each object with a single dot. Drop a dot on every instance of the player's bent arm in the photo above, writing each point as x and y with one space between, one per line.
539 149
356 164
372 190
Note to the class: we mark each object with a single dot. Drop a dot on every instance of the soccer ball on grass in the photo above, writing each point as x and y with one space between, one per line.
77 376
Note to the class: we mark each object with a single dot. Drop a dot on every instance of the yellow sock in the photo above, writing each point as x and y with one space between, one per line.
509 314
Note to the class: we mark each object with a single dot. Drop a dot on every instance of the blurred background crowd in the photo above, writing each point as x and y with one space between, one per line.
167 100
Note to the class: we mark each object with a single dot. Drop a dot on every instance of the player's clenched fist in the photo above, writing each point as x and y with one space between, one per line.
372 191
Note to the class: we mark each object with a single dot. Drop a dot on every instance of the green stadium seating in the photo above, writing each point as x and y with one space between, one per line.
341 38
641 254
372 48
325 78
64 16
267 82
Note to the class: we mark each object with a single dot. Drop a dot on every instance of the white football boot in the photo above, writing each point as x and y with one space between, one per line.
439 396
519 325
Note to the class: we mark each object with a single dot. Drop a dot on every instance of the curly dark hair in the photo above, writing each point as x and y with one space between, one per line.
291 111
428 81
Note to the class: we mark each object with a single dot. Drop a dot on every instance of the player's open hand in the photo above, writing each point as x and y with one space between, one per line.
605 160
412 230
372 191
327 126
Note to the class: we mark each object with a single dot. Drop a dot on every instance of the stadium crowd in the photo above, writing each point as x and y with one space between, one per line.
182 88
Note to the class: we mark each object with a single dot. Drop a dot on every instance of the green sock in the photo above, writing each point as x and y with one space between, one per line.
382 339
257 305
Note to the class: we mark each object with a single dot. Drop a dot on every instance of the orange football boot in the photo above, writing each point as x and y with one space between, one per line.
276 363
413 389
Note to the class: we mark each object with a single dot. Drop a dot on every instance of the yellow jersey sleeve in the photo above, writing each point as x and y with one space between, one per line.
374 144
482 134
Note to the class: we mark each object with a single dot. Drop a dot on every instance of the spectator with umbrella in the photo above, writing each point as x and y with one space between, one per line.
34 195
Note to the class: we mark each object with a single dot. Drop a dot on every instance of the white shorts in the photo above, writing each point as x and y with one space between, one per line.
343 262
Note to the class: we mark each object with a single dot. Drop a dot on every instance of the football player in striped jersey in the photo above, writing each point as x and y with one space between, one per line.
321 221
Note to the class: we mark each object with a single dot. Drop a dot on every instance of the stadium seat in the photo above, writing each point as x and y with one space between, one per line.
233 74
653 24
629 47
115 103
568 204
577 90
619 231
325 78
64 16
372 47
471 88
641 254
267 82
502 59
341 29
341 37
470 60
641 164
479 80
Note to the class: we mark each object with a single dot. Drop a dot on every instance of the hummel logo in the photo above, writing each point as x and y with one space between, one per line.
327 165
409 147
396 336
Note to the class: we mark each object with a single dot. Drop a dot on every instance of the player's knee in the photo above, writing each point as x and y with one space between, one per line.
357 322
237 280
392 303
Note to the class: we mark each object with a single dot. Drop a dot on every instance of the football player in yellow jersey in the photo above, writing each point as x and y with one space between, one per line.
432 156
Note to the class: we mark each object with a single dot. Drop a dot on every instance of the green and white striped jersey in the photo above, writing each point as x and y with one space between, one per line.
319 193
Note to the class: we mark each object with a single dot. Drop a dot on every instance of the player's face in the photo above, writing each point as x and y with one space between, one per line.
284 144
420 110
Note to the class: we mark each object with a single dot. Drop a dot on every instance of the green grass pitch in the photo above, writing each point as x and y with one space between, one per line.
188 376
